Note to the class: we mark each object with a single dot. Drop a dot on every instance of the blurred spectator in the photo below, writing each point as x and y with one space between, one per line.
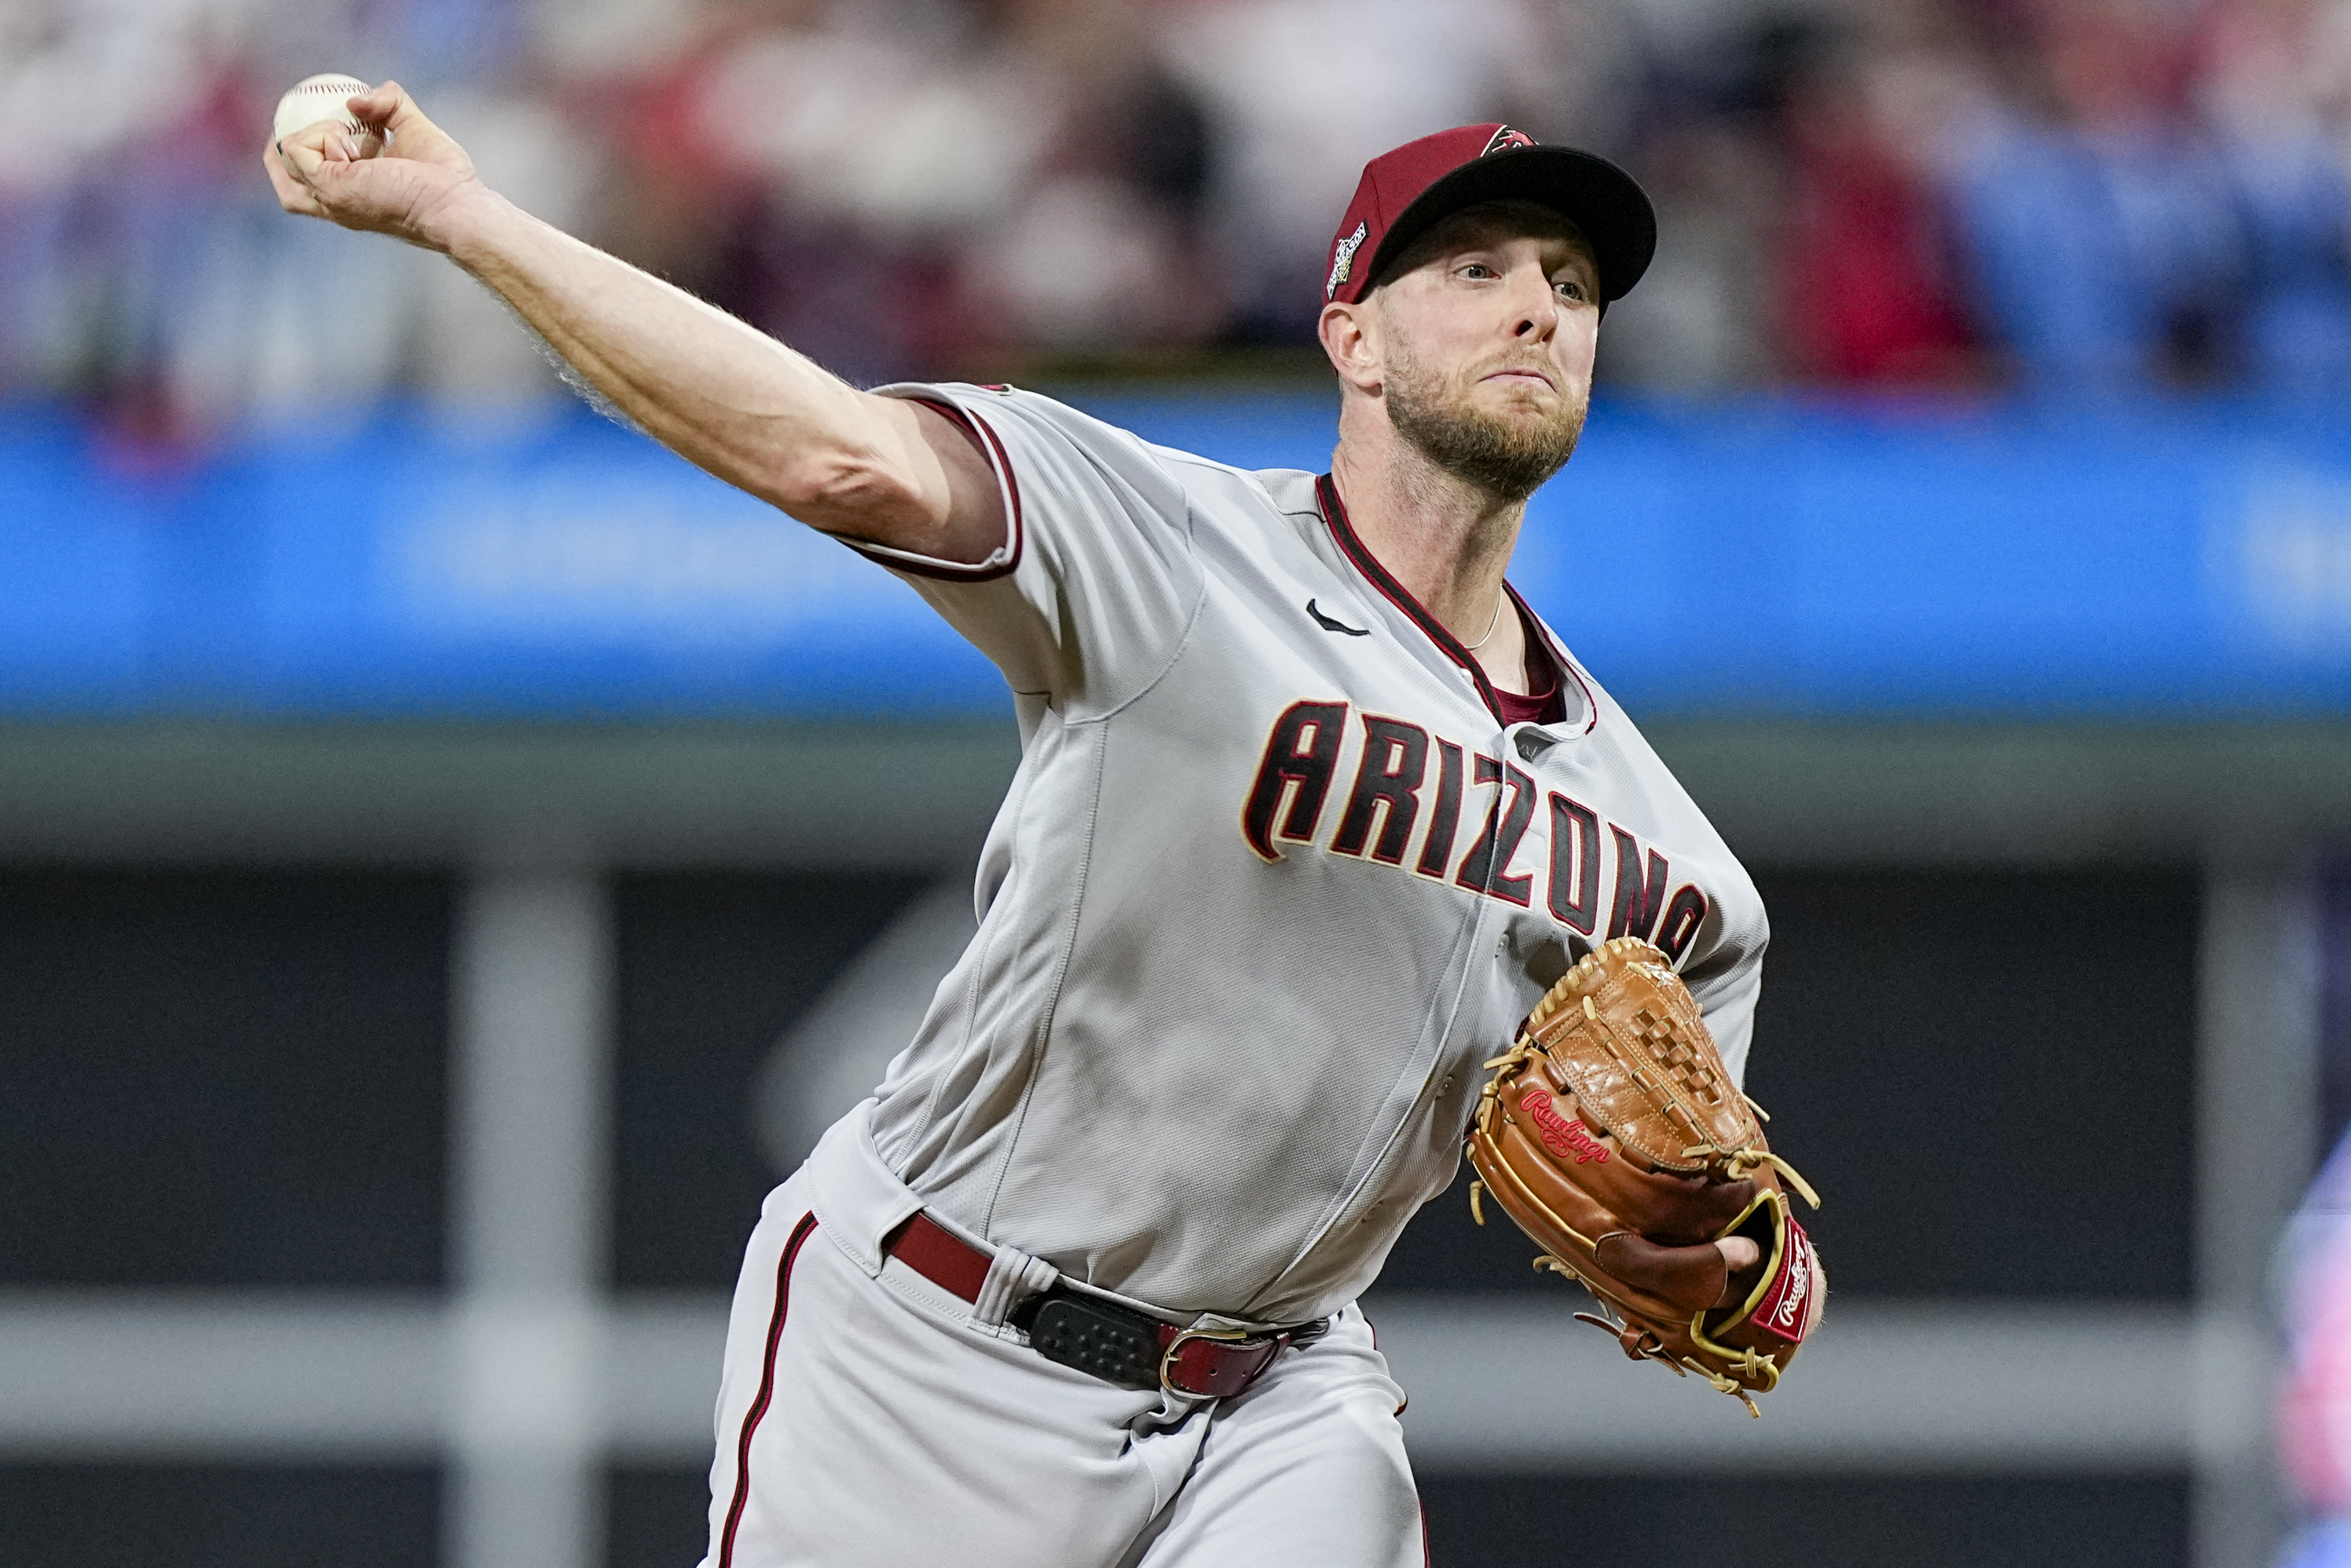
876 136
896 186
2276 87
1700 319
76 306
672 198
1702 140
1303 92
2099 222
1107 246
1868 289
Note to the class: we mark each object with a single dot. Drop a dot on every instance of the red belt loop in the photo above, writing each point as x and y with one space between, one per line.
933 1251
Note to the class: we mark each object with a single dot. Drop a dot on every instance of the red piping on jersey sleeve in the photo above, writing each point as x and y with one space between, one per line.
983 436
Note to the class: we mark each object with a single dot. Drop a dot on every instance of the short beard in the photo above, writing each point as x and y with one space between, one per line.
1502 457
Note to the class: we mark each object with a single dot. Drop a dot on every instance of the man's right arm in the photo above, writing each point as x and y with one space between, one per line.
722 394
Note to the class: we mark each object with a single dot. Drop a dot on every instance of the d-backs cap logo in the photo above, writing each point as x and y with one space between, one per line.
1343 261
1505 137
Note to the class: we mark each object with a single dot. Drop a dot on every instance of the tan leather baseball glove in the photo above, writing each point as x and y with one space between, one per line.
1613 1134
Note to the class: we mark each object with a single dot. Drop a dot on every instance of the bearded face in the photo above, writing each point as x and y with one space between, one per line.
1483 333
1506 443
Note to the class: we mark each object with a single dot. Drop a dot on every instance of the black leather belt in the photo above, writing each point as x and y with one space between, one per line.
1113 1343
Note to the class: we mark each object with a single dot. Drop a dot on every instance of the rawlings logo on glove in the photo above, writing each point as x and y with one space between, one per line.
1791 1306
1571 1139
1616 1061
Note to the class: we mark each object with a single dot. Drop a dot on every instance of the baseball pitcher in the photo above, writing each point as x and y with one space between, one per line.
1313 811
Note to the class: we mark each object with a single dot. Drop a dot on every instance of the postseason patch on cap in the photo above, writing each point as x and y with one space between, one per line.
1343 261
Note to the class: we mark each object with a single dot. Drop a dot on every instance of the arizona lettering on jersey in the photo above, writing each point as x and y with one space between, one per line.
1273 878
1306 751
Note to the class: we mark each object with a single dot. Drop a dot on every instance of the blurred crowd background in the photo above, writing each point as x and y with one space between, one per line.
2061 194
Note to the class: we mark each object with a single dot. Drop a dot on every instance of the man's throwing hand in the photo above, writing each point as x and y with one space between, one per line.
408 193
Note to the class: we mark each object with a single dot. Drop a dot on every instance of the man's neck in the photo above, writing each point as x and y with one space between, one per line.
1447 541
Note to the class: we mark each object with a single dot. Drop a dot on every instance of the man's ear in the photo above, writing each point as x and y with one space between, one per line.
1350 335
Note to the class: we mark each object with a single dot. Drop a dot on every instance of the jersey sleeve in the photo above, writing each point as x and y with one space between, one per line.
1087 599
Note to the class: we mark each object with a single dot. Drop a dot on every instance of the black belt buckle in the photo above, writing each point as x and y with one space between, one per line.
1096 1337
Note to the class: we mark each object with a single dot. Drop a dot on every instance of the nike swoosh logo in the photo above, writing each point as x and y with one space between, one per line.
1340 626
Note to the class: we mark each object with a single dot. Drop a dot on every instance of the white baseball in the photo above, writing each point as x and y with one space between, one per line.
322 97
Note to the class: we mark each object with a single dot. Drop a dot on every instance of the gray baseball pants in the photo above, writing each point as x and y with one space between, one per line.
868 1419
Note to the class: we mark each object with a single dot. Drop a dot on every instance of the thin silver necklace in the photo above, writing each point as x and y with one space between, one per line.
1497 620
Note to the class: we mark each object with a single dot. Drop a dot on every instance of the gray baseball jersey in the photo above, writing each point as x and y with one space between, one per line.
1272 881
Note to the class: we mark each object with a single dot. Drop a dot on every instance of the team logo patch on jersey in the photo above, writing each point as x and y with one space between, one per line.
1505 138
1343 262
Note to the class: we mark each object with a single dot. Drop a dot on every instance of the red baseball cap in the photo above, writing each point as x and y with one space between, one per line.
1406 192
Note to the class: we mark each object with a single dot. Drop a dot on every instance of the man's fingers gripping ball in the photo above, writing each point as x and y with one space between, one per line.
365 158
325 100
